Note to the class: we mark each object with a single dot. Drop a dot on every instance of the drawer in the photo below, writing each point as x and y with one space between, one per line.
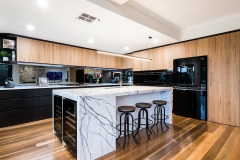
45 92
19 103
45 101
22 93
24 115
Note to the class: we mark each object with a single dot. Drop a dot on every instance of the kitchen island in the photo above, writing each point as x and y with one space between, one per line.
89 115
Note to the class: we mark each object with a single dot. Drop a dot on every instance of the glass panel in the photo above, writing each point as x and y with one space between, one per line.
5 72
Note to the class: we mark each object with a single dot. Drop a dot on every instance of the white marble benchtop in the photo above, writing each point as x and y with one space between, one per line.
117 91
97 116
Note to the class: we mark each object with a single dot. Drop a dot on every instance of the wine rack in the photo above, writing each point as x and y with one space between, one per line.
70 125
58 116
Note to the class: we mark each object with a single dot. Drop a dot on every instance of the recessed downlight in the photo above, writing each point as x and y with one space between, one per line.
30 27
155 41
126 48
91 41
43 3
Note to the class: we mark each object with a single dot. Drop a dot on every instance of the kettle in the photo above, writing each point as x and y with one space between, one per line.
9 83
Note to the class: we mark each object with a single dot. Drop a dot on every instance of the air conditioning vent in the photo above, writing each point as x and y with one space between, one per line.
86 17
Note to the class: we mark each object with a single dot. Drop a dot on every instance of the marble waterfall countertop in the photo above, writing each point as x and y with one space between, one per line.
97 114
116 91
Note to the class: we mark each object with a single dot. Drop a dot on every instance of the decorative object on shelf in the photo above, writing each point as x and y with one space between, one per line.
97 76
4 55
90 76
7 43
42 81
9 83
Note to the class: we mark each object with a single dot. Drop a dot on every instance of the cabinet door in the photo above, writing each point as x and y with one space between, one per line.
199 105
19 116
70 125
180 74
59 54
58 116
182 103
72 56
30 50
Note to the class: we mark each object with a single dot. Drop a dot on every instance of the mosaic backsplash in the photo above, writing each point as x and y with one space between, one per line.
28 74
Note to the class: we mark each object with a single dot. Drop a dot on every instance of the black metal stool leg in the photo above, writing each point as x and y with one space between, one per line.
158 115
154 117
148 122
125 127
161 118
164 117
133 129
139 122
120 130
128 125
147 129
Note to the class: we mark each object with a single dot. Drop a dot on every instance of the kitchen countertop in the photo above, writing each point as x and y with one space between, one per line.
97 116
58 86
116 91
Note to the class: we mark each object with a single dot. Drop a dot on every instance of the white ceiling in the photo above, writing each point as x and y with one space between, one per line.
124 25
188 13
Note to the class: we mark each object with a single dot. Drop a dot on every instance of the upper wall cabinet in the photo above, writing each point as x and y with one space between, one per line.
30 50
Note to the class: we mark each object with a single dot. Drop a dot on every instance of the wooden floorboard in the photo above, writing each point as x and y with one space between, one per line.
186 138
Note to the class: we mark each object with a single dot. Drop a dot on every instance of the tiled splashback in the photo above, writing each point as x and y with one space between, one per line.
28 74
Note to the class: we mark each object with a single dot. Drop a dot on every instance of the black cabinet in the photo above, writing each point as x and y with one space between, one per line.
153 78
190 72
182 102
70 125
25 105
8 47
190 103
57 116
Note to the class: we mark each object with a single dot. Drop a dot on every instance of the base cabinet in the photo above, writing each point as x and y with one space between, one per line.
190 103
25 105
58 116
70 124
65 122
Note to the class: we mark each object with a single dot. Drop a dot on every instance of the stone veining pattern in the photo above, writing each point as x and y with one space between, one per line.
97 116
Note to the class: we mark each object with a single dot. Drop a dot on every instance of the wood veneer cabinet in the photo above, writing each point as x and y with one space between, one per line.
223 53
31 50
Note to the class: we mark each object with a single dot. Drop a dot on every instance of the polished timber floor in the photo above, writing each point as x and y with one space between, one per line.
185 139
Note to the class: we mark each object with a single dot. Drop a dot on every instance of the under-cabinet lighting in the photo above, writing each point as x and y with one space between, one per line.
40 64
125 56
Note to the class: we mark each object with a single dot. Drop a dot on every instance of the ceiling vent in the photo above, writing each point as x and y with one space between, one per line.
86 17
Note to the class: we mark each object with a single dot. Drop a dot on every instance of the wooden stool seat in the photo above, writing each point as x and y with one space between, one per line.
143 105
159 102
126 108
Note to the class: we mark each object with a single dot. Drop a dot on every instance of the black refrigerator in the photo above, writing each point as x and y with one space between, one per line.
190 87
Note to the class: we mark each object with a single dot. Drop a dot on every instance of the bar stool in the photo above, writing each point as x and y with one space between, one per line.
143 109
159 113
126 111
